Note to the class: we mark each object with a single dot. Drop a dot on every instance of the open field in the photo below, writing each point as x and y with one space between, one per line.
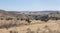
53 25
29 22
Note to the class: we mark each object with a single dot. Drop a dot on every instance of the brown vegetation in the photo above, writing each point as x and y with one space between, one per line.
10 21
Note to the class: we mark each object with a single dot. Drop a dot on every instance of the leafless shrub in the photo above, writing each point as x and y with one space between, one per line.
38 30
8 24
45 26
48 30
1 18
13 31
29 31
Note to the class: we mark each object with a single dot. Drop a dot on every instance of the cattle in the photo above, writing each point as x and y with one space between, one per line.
9 18
17 18
28 21
44 18
54 18
21 19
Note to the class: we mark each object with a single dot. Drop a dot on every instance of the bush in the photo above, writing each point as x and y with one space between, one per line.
13 31
29 31
38 30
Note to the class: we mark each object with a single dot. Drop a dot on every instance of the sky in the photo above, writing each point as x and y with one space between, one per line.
29 5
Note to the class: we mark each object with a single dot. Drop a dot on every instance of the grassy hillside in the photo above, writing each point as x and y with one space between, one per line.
49 27
29 22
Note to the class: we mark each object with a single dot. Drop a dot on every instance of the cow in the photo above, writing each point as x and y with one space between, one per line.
28 21
44 18
9 18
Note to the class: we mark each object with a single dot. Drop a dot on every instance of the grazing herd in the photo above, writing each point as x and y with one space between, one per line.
44 18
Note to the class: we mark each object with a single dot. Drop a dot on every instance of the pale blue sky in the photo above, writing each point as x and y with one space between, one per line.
30 5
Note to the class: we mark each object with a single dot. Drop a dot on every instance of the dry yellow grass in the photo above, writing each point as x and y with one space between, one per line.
52 24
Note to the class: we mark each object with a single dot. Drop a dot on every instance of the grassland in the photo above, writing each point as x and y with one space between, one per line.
35 26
